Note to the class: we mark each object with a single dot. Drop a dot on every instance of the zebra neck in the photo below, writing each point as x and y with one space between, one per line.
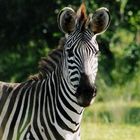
62 109
68 102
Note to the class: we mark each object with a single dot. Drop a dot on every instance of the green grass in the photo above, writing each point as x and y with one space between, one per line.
115 120
99 131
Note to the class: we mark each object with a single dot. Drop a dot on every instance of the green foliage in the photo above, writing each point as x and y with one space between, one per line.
19 64
28 30
117 111
112 120
99 131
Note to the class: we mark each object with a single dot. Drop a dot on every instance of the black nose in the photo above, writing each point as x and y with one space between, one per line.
86 86
86 91
84 79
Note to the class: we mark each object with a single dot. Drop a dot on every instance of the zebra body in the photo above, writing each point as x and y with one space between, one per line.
49 106
36 115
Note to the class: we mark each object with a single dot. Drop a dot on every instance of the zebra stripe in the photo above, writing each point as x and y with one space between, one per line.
50 104
31 111
39 108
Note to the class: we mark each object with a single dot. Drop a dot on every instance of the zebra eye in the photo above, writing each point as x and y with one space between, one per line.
66 20
99 21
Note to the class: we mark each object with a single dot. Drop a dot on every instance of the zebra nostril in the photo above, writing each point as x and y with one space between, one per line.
95 90
92 91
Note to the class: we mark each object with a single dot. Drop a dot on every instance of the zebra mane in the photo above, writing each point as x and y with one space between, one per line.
48 64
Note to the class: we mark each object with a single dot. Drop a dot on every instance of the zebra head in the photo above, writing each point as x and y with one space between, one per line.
81 49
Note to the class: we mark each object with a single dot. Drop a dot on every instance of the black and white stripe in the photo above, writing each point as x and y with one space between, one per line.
40 110
49 105
44 107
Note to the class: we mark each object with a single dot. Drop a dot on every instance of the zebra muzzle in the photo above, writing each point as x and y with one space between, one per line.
85 92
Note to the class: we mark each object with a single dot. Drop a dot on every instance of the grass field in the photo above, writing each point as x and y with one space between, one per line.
96 131
112 121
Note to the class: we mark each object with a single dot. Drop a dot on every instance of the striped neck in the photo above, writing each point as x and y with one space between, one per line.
62 109
68 109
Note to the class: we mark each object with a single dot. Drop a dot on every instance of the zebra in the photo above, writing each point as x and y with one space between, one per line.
50 104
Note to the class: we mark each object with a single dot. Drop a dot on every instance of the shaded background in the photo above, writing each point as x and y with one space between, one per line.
28 31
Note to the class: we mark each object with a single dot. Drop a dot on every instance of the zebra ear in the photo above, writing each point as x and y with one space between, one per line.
66 20
99 21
